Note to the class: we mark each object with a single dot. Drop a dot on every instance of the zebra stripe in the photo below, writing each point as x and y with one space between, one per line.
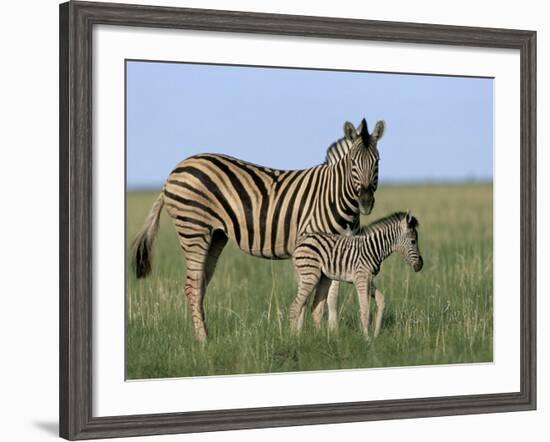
213 197
321 257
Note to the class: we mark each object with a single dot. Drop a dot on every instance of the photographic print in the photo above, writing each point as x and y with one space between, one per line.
271 220
271 211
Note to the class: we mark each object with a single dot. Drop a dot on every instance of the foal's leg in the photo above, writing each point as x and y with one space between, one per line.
380 305
318 308
363 286
306 284
320 299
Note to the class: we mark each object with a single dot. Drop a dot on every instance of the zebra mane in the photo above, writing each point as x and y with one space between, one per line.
387 221
337 150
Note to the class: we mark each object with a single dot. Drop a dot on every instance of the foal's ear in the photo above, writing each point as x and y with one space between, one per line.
412 222
349 131
378 131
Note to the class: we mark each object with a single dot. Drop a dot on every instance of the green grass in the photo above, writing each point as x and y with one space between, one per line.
441 315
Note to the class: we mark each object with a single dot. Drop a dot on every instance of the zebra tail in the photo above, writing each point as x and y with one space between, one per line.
143 243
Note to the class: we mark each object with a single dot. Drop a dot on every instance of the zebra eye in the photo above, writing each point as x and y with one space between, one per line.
413 242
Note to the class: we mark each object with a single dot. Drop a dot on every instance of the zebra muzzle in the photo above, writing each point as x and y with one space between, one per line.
417 266
366 201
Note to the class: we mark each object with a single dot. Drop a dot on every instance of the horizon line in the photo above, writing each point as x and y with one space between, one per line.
435 181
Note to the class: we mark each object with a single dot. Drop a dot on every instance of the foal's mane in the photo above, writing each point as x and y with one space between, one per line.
387 221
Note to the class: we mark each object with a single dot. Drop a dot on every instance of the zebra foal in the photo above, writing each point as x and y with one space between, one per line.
320 258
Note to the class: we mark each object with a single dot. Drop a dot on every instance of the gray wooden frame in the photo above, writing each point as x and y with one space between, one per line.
75 212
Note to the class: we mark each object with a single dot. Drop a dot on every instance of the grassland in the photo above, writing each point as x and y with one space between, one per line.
442 315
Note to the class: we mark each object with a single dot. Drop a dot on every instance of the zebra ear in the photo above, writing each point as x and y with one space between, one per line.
378 131
349 131
412 222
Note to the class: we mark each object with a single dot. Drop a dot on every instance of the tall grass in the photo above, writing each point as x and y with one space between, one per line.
441 315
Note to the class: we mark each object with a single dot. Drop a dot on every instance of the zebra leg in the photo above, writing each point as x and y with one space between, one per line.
332 301
305 286
195 248
363 286
319 301
380 305
217 244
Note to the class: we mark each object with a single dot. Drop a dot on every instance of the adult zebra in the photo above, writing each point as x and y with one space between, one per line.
213 197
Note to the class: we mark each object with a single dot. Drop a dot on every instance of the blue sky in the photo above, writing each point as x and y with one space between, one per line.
437 128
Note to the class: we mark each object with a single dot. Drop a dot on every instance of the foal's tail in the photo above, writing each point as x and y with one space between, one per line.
143 243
